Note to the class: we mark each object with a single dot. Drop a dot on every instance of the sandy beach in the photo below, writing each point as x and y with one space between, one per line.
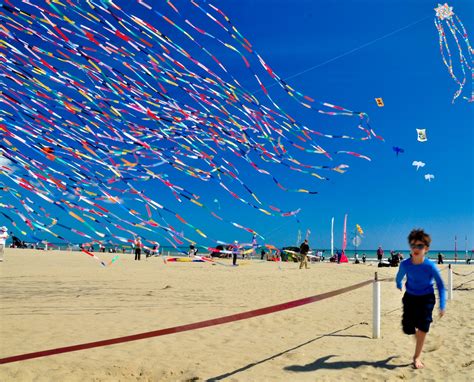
58 298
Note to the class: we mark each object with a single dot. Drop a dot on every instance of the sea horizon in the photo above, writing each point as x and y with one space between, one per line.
182 250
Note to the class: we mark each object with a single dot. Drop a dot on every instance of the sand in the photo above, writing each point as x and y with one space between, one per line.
59 298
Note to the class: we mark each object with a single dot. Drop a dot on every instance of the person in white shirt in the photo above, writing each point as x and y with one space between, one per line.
3 238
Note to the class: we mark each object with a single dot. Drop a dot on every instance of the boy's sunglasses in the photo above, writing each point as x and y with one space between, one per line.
417 246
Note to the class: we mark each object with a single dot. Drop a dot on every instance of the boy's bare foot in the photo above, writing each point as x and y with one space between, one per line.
417 364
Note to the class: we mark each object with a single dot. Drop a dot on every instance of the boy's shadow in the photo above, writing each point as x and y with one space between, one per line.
322 363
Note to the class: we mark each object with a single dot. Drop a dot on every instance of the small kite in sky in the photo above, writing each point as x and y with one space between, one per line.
379 102
429 177
398 150
445 16
421 135
418 164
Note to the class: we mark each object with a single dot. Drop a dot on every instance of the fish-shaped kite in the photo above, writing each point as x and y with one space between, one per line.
418 164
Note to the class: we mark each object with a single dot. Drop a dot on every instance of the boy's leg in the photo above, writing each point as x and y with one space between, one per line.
420 341
424 317
408 317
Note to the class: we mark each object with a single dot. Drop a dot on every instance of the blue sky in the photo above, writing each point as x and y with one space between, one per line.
335 51
387 196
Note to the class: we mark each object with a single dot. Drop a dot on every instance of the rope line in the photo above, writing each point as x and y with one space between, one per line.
349 51
187 327
460 274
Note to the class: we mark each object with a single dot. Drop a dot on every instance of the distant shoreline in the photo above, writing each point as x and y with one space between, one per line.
64 247
371 255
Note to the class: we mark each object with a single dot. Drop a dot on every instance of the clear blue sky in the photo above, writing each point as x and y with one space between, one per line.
335 51
387 196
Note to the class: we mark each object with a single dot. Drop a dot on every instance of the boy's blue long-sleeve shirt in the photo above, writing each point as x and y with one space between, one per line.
420 279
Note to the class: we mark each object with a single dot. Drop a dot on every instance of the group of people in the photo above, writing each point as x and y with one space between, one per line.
393 260
102 248
16 243
138 247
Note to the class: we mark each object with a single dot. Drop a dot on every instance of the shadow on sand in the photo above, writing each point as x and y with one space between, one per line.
322 363
250 365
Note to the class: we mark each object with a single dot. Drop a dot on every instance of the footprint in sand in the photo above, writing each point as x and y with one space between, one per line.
434 344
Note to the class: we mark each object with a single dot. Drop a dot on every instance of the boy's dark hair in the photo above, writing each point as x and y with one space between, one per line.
418 234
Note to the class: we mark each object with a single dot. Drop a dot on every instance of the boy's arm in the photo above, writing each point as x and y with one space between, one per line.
400 275
441 289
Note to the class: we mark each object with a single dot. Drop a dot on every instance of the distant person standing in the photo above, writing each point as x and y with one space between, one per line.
235 252
254 247
379 254
3 239
262 254
319 255
440 258
138 248
304 249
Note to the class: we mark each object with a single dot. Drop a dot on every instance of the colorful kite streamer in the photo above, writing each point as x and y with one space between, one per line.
106 106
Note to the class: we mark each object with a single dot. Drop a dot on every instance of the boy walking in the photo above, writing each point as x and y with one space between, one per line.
419 299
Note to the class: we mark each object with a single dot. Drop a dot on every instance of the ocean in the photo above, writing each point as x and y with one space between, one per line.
370 253
432 254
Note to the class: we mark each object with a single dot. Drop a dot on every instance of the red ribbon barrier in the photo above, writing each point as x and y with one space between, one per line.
184 328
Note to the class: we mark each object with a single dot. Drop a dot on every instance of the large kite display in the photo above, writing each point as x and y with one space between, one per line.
106 106
445 17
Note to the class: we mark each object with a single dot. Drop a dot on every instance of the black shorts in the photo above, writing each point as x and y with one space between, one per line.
417 312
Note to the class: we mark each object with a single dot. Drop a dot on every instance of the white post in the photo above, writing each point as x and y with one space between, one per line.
46 246
450 283
376 308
